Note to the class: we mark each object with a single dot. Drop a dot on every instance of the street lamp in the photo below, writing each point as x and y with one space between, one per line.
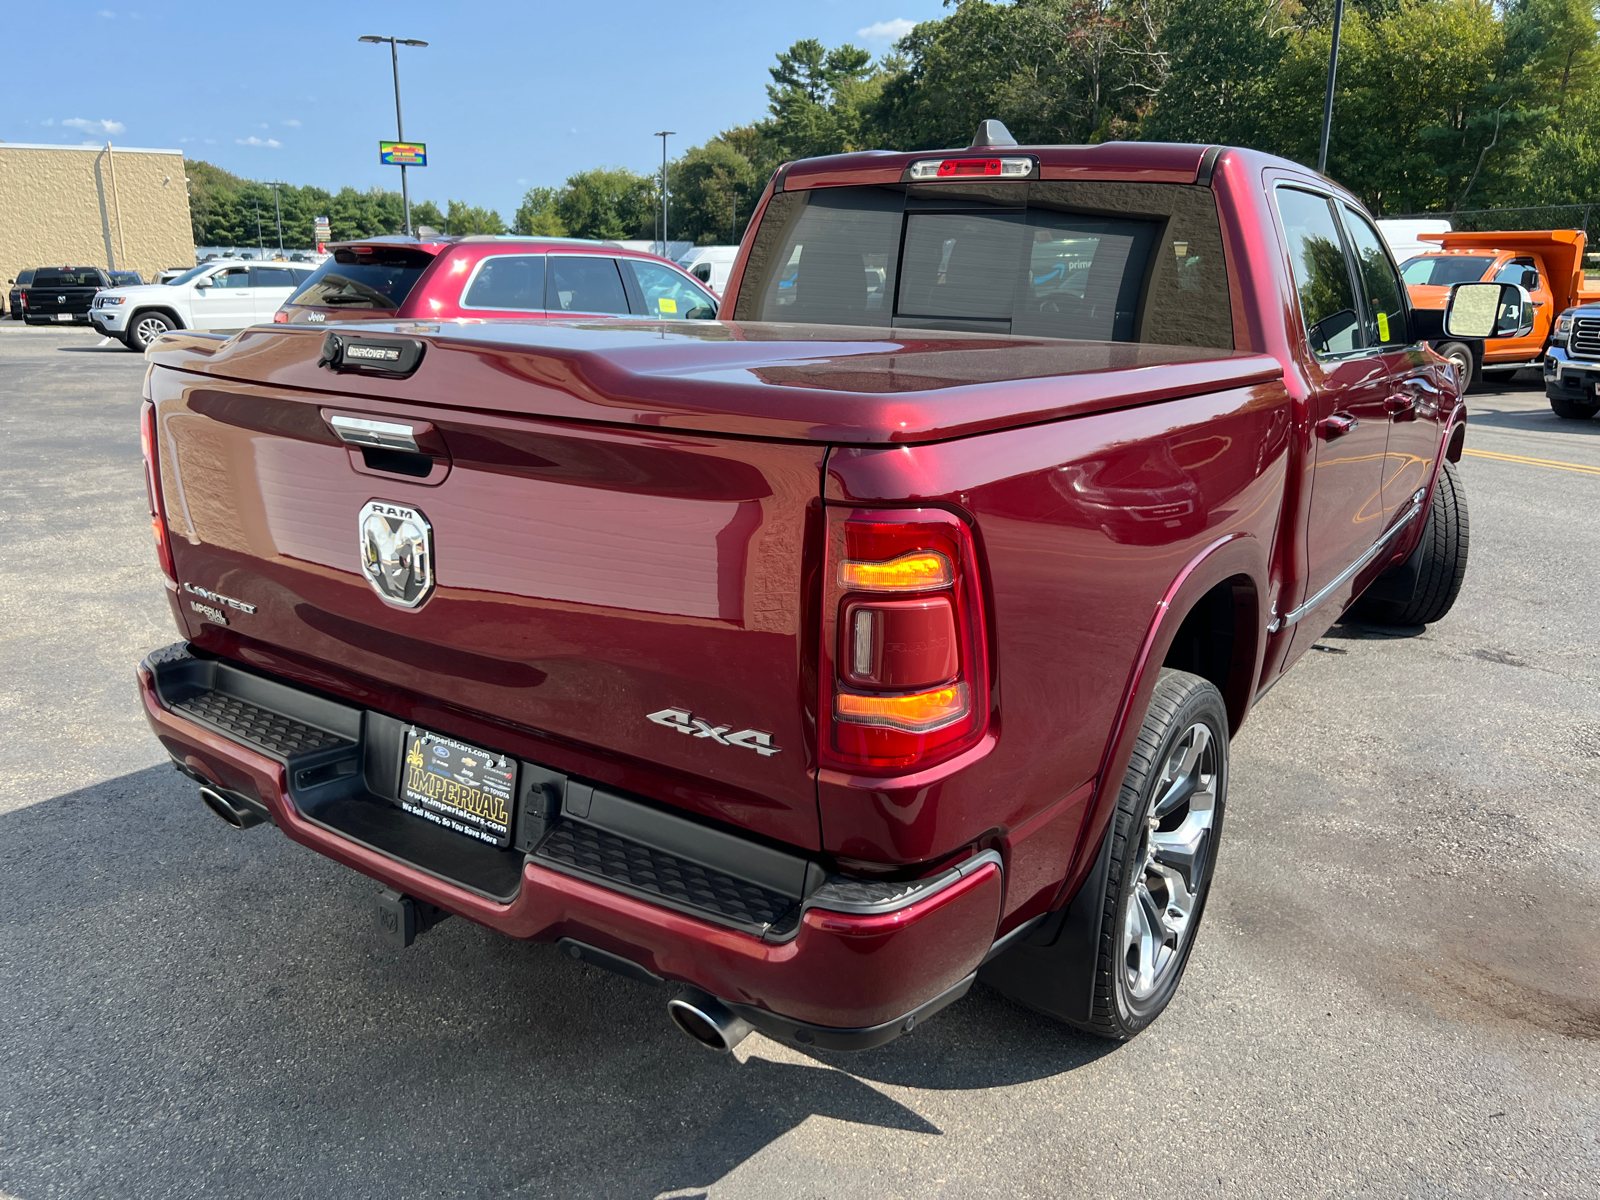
399 122
664 135
277 212
1327 104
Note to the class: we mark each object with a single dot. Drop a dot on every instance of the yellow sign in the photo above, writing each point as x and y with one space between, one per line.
667 304
1383 327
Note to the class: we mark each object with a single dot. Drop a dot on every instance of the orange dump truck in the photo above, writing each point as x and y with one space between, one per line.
1547 262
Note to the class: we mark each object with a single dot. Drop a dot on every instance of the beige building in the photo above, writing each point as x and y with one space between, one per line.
93 206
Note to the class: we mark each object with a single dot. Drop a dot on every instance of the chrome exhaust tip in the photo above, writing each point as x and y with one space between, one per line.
237 815
707 1020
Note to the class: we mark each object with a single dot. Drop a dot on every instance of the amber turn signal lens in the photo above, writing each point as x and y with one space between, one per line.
919 571
922 712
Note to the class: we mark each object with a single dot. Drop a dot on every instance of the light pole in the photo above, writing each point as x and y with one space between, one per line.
277 213
1333 71
664 135
399 121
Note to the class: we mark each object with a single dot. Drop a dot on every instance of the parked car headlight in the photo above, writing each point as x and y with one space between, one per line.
102 301
1564 323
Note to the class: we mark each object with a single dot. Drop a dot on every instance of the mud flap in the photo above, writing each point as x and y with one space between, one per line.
1052 970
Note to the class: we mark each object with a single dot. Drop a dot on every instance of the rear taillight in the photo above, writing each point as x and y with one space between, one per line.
152 487
281 317
905 671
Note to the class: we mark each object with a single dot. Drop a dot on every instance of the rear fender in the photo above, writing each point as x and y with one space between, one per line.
1236 554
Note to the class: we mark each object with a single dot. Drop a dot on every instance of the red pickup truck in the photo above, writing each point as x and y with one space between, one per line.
884 634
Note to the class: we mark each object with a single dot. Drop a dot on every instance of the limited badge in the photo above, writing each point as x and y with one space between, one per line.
396 552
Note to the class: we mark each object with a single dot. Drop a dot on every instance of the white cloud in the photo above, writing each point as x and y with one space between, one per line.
292 123
270 143
886 31
181 141
48 121
106 13
86 126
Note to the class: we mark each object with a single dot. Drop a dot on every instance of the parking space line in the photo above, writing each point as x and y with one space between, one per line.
1534 462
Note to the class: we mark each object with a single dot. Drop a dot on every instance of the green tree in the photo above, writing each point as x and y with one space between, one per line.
463 218
427 213
536 215
608 203
714 189
1218 74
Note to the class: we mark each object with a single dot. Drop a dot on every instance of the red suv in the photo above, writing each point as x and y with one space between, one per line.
388 278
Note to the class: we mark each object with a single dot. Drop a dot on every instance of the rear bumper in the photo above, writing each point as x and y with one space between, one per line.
36 318
849 966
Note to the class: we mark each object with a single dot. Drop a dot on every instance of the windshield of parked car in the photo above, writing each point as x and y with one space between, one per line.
1111 261
1442 270
73 277
191 273
126 279
381 279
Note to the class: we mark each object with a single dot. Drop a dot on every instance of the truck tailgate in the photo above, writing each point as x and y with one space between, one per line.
587 579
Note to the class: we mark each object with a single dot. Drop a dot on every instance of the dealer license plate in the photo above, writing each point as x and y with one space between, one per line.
461 787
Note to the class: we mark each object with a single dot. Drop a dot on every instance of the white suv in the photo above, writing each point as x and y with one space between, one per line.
216 296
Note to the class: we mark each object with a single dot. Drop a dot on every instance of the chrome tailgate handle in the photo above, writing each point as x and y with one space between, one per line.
377 435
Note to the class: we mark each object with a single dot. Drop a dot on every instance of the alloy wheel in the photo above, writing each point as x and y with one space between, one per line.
1172 863
148 329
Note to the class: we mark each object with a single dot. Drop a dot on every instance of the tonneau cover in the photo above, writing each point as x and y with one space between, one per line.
815 383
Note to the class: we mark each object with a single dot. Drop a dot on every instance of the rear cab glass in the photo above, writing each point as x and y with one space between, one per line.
77 277
380 279
1097 261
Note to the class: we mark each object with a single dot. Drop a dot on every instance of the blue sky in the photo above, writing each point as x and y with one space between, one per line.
506 95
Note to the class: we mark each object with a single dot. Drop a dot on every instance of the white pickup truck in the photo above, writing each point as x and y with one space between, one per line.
220 297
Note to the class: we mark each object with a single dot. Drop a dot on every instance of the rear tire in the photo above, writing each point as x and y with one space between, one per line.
1117 963
145 328
1571 410
1466 367
1440 561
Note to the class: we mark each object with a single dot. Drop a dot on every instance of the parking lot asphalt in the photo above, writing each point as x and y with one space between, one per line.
1396 991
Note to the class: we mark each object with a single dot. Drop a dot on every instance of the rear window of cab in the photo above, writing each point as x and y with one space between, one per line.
381 278
1444 270
1097 261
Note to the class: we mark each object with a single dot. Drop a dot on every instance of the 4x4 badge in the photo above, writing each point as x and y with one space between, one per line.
685 722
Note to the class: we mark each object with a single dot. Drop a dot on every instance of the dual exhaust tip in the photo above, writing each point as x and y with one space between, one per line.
707 1020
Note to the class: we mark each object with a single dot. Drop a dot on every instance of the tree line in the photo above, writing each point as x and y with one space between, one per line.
226 210
1442 105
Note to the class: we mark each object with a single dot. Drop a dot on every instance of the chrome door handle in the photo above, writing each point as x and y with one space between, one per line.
1400 406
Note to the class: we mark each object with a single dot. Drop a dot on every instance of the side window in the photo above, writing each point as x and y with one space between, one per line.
301 274
668 296
508 281
1523 271
702 272
1385 313
1321 273
234 277
584 284
271 277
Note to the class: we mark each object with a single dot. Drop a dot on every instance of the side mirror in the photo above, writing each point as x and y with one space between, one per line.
201 285
1488 310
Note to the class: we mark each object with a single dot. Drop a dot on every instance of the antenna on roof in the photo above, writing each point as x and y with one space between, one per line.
991 133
